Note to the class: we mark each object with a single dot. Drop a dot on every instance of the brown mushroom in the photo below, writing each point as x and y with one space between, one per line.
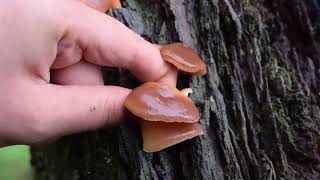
184 58
103 5
160 102
167 115
116 4
160 135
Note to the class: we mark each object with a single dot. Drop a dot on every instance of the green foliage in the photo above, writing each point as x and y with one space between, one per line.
15 163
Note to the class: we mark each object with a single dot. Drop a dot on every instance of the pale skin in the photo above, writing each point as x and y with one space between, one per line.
51 52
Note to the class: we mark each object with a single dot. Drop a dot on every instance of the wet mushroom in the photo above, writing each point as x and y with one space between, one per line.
160 135
167 115
160 102
183 58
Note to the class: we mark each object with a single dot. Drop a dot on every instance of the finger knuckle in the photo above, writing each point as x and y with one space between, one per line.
147 52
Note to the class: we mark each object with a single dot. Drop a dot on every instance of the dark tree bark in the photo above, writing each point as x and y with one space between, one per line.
260 101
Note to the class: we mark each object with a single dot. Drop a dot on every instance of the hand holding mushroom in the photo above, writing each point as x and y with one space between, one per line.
51 83
167 115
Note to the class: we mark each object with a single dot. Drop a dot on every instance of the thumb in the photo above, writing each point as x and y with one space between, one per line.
70 109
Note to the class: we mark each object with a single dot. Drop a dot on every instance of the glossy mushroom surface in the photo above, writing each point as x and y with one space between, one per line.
184 58
160 135
160 102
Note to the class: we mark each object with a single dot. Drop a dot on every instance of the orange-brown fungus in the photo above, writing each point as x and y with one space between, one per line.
102 5
167 115
160 135
184 58
115 4
160 102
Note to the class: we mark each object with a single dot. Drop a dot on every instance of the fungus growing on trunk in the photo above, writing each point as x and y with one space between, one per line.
103 5
183 58
168 116
160 135
115 4
160 102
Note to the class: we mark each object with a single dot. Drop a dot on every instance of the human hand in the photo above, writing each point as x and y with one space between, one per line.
65 42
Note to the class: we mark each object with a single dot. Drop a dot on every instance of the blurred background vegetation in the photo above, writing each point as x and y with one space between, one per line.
15 163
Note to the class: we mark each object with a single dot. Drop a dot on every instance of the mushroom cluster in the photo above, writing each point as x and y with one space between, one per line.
168 116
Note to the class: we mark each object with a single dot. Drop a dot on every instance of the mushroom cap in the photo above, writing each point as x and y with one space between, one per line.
116 4
184 58
102 6
159 135
160 102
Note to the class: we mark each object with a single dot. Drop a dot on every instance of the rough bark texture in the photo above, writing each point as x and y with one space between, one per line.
260 100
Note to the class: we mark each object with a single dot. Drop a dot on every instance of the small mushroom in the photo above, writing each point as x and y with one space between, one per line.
160 102
103 5
160 135
184 58
116 4
186 91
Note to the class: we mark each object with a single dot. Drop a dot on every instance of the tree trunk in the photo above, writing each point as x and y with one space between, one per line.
260 101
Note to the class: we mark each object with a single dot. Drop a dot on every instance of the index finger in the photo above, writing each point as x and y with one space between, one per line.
107 42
